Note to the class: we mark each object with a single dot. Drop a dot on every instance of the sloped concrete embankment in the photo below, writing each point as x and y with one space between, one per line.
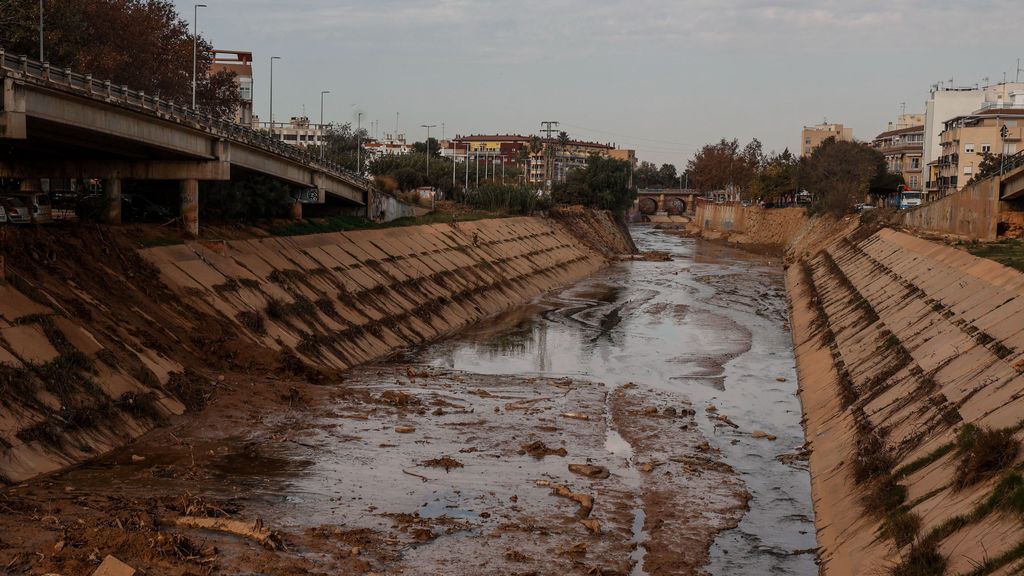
749 225
910 356
337 300
100 343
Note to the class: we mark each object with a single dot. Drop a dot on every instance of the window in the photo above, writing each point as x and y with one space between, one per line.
968 148
913 182
807 141
968 170
915 163
986 148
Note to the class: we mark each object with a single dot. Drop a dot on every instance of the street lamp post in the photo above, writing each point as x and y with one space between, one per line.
272 58
42 58
321 136
359 143
428 127
195 48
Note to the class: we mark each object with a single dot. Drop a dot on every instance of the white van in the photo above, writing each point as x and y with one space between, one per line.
38 204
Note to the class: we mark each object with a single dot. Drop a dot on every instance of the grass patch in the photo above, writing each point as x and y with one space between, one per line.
190 388
141 406
990 565
1008 252
983 452
923 560
885 496
254 321
925 461
873 459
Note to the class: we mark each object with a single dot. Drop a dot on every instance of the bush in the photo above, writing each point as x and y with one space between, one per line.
923 560
509 198
983 452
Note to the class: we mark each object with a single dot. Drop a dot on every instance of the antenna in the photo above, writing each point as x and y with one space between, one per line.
547 129
1019 70
985 81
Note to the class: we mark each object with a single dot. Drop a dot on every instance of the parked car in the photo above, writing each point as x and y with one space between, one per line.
38 204
17 212
3 214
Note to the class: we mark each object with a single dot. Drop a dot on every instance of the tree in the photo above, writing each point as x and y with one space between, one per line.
341 145
718 166
990 165
777 177
421 147
603 183
840 174
143 44
401 173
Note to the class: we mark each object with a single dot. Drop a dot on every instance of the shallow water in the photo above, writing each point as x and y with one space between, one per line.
711 324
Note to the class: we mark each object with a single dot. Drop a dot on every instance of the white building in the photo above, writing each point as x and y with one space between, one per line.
297 132
389 145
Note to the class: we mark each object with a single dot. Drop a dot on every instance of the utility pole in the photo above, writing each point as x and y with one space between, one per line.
548 129
1019 69
321 136
428 127
272 58
42 57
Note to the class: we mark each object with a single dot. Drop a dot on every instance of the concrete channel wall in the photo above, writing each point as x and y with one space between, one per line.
899 343
749 224
95 350
972 212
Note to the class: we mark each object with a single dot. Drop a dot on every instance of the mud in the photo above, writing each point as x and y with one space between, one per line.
575 435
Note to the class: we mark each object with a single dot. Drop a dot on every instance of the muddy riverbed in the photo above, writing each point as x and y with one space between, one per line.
622 426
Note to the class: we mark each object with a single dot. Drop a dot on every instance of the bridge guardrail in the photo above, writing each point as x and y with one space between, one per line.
105 91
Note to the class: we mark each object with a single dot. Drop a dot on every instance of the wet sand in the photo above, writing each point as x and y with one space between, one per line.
649 378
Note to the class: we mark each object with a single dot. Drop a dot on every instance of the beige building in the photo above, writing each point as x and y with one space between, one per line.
563 159
812 136
239 63
903 149
966 139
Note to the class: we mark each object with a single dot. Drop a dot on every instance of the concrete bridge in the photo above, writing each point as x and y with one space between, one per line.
672 201
59 124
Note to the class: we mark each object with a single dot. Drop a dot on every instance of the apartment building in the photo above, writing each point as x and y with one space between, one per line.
506 148
903 149
947 103
995 128
389 145
554 161
812 136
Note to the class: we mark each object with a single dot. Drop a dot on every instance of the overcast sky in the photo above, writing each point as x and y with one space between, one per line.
661 76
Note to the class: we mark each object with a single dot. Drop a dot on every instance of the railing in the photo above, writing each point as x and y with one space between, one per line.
85 85
1013 162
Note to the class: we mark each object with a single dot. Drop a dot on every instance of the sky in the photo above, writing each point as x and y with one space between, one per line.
661 76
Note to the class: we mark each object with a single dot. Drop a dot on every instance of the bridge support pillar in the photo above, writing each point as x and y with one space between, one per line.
112 191
190 206
296 210
661 203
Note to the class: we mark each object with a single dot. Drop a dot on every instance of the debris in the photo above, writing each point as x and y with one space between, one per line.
523 404
579 549
590 471
136 458
399 398
650 410
780 379
421 477
761 434
538 449
252 530
704 446
113 567
586 501
712 408
405 429
575 415
647 467
513 555
670 411
725 420
446 462
593 525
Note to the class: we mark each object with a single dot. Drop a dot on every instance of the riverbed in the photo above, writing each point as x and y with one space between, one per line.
643 421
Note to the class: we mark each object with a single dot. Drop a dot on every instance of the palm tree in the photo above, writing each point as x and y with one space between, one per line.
563 147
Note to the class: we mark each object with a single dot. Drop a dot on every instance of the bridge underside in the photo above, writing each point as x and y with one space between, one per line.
50 134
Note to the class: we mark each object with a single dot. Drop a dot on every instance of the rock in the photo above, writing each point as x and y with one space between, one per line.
254 530
704 446
113 567
712 408
136 458
590 471
58 546
592 524
761 434
780 379
647 467
355 551
405 429
670 411
650 410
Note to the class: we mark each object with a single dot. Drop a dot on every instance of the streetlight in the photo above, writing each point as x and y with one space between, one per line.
41 57
428 127
272 58
321 135
359 143
195 47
